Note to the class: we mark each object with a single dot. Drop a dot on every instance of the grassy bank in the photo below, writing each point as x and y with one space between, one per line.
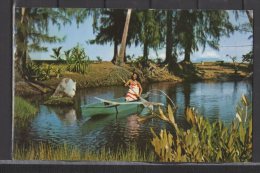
65 152
23 110
217 71
96 75
108 74
23 113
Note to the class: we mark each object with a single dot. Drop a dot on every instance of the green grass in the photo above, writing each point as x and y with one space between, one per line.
64 152
23 111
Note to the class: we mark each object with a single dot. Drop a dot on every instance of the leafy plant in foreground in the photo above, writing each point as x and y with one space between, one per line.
204 141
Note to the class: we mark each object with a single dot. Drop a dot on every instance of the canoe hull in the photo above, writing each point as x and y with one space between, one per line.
104 109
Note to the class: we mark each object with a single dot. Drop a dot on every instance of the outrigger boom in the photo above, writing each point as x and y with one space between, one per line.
147 103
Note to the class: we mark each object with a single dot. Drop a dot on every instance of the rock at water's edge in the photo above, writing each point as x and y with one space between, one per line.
60 101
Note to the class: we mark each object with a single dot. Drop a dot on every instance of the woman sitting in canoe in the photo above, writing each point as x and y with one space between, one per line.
135 88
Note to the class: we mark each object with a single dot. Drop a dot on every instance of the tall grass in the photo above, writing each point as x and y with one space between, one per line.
45 151
23 111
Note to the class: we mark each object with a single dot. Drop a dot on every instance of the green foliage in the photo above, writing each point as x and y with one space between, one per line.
57 54
235 63
249 59
77 60
147 31
139 61
36 72
99 59
23 109
57 71
200 28
23 112
129 58
110 27
206 141
43 151
31 30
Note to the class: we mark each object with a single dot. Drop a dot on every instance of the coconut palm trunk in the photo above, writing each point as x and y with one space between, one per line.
120 58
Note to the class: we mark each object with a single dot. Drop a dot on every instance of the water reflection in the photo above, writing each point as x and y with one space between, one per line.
132 127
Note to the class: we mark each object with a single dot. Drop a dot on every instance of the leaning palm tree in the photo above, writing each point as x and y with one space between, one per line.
120 58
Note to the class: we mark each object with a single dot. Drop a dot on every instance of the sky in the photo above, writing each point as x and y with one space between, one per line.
237 44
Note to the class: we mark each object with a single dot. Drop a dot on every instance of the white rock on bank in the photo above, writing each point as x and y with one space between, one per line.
67 87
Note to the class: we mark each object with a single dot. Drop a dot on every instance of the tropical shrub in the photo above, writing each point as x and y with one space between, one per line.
36 72
57 54
77 60
57 71
206 141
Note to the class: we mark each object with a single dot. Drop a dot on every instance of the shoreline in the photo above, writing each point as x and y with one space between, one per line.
105 74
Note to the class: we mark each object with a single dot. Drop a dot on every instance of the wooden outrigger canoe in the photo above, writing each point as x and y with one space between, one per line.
116 106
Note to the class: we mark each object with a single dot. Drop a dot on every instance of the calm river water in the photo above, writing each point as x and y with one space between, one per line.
215 100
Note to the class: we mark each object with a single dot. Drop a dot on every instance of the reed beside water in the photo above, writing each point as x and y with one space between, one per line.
43 151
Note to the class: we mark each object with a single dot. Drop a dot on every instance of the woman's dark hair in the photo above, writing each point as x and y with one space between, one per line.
137 78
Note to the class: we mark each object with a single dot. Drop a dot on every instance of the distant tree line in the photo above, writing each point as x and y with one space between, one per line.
180 31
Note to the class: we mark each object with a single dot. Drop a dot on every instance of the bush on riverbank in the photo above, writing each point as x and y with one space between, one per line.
64 152
204 141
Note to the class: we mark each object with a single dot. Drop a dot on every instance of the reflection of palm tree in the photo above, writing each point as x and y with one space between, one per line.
186 93
234 93
77 107
171 91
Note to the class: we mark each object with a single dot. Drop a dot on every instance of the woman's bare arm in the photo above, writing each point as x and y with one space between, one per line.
127 83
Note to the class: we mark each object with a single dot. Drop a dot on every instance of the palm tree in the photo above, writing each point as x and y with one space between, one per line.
121 57
57 54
